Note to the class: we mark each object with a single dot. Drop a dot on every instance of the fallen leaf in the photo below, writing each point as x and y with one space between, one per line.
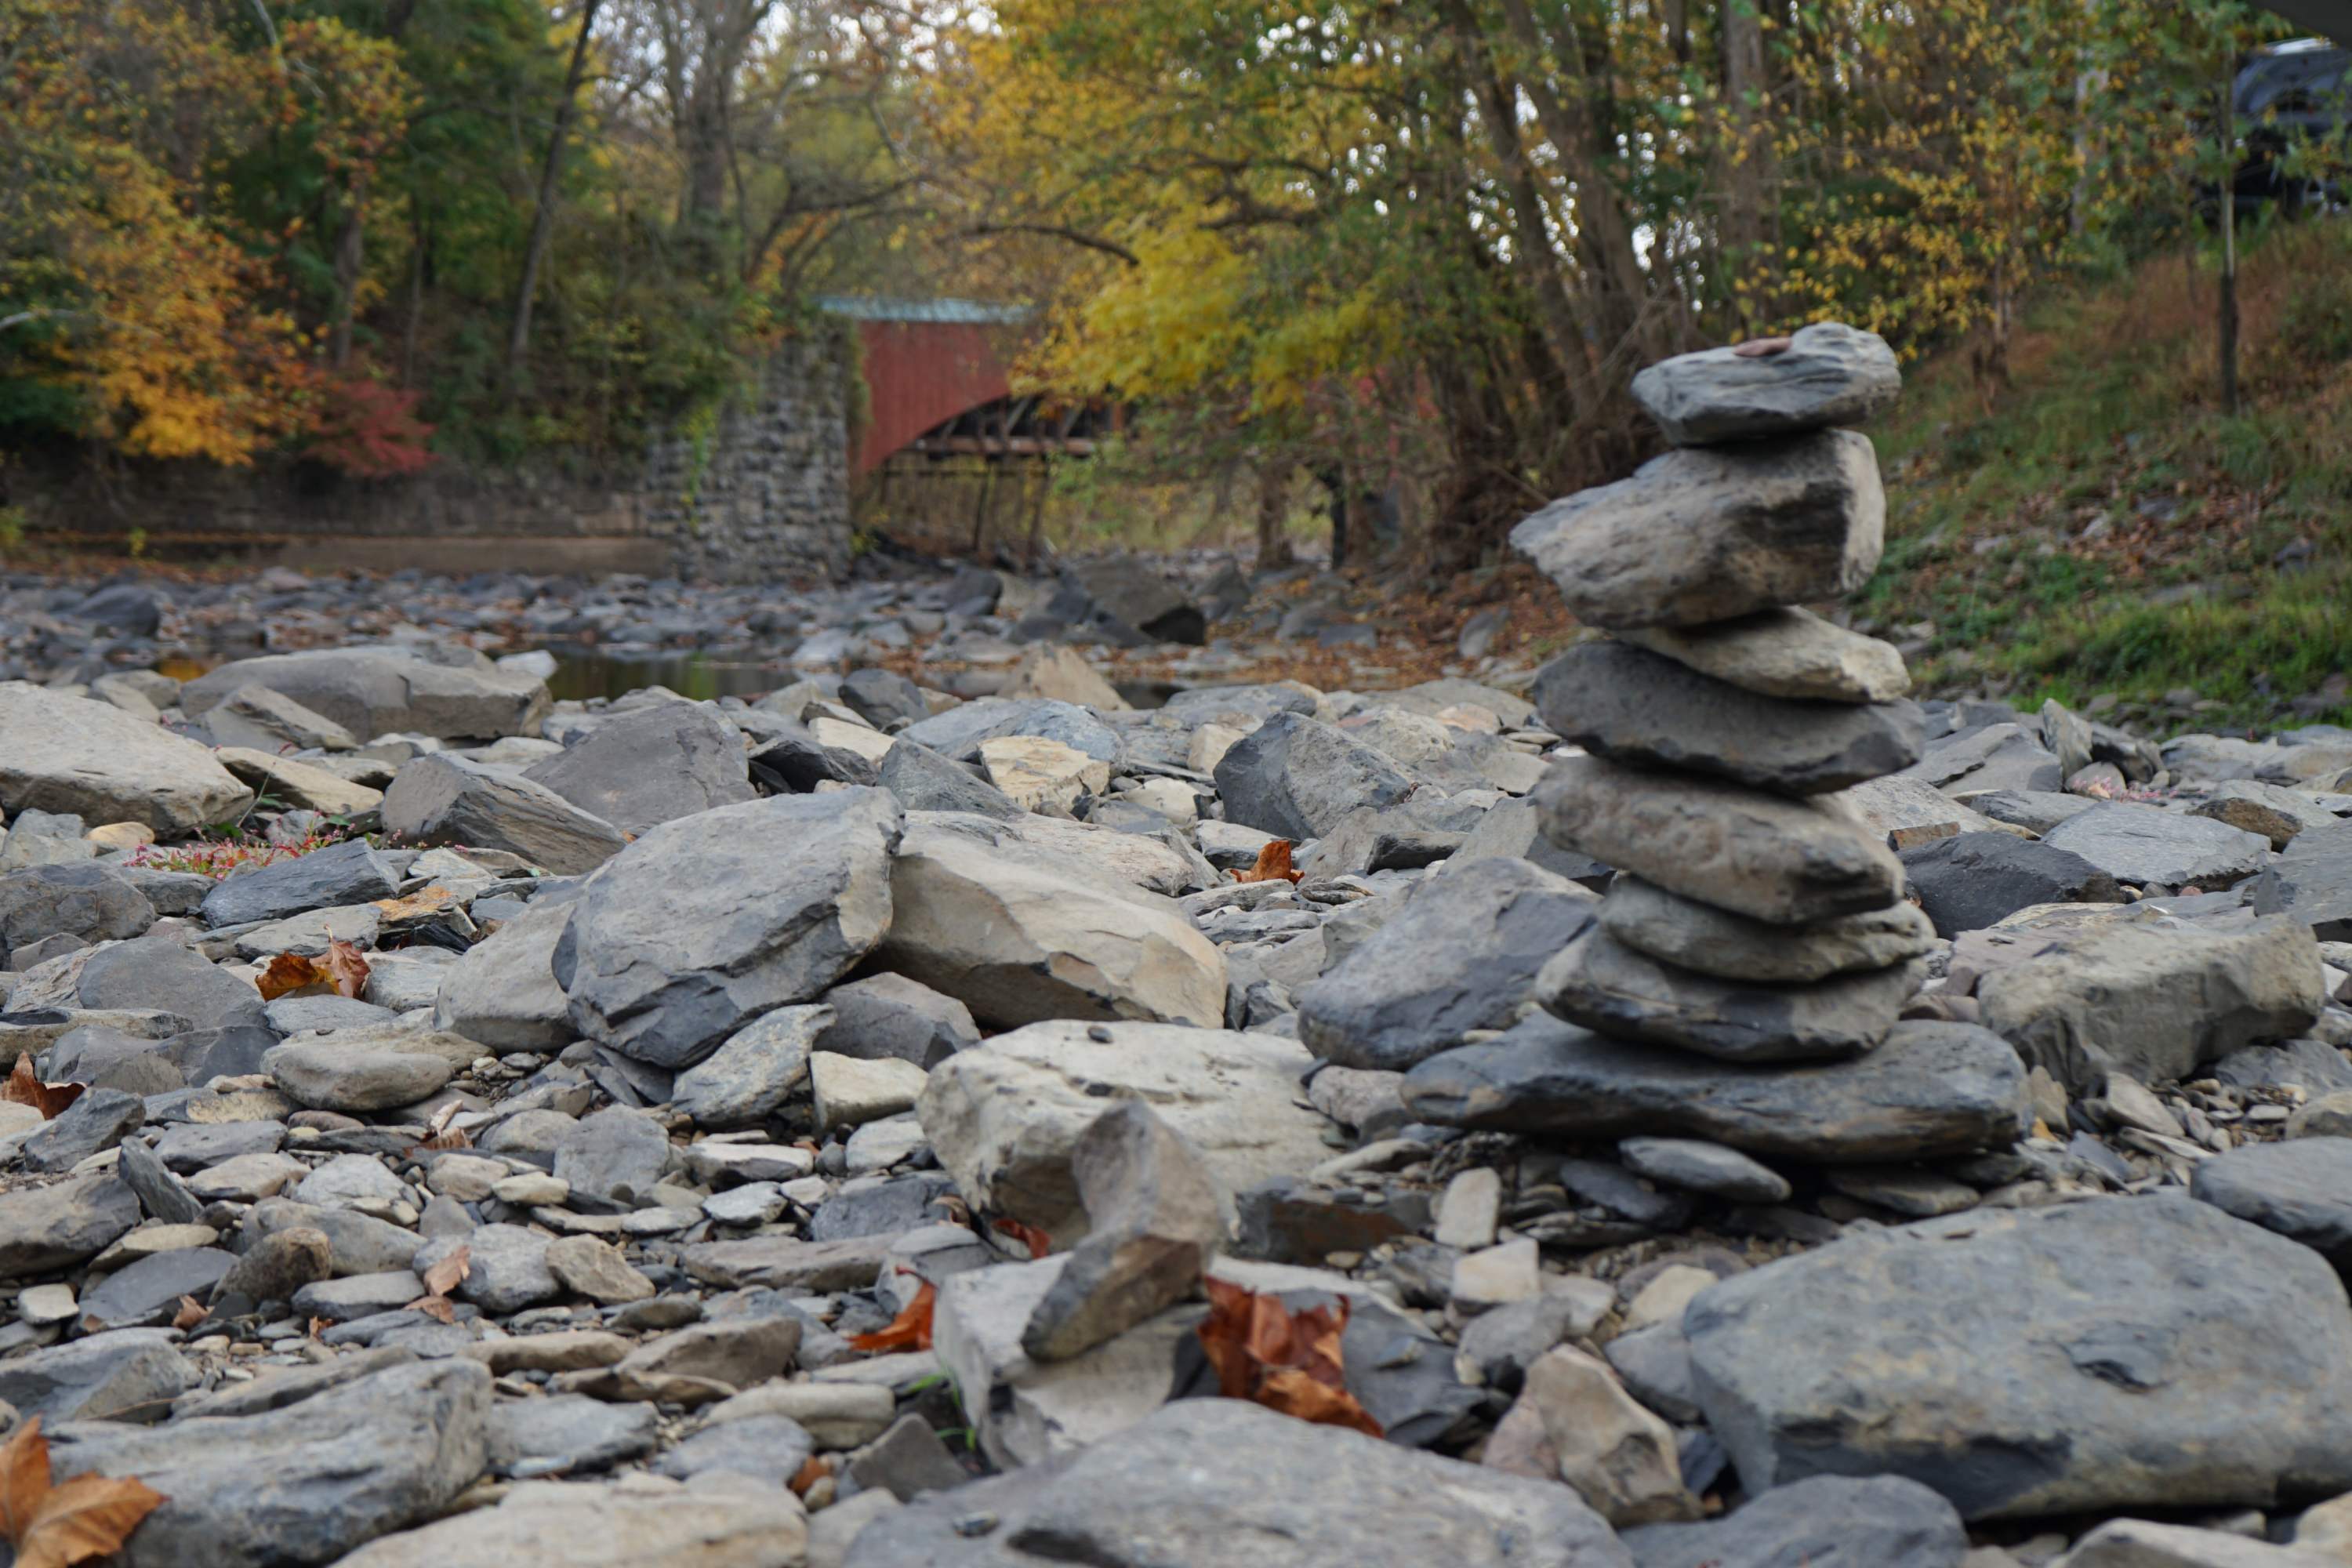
1038 1243
417 906
438 1307
24 1087
443 1116
288 974
191 1313
55 1526
910 1330
1273 864
445 1276
441 1142
347 971
1288 1361
809 1474
1763 348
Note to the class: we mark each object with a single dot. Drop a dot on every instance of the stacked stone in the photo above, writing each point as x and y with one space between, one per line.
1753 920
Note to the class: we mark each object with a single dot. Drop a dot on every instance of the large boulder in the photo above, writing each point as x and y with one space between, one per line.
705 922
443 799
88 900
1125 600
1463 953
1705 534
161 973
2154 1000
650 765
2311 881
1929 1090
1296 777
1827 373
301 1485
1651 711
2082 1358
92 760
1213 1483
447 692
1006 1116
1018 936
1787 862
1968 882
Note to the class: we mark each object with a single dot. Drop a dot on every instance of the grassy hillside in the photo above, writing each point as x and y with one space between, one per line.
2101 527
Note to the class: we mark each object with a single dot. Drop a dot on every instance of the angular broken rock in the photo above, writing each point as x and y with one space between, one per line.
710 921
1704 535
2301 1188
1463 953
1017 939
1153 1218
2139 844
2155 1001
1829 1522
1617 1456
1649 711
1929 1090
2311 881
1829 373
1039 774
2277 813
640 769
92 760
1602 984
1296 777
1005 1118
1968 881
1788 652
502 991
442 691
2107 1352
1787 862
1696 936
439 798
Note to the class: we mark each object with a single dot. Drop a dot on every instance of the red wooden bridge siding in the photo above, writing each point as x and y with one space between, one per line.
926 362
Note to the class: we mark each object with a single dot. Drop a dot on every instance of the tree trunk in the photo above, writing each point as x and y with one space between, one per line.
542 218
1272 495
1747 173
350 254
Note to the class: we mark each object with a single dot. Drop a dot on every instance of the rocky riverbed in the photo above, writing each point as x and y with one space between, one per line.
1692 1105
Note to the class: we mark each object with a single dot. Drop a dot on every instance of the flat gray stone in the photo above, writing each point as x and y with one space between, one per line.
441 690
567 1433
440 798
1701 1167
2311 881
43 1229
640 769
1297 777
326 1075
1646 710
2302 1189
1929 1090
891 1015
1784 653
1972 880
1705 535
92 760
1828 1521
1694 936
351 872
502 991
1829 373
146 1291
2278 813
2087 1357
756 1069
2140 845
93 902
127 1375
1787 862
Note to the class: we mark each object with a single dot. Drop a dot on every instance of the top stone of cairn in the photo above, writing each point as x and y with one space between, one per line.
1827 373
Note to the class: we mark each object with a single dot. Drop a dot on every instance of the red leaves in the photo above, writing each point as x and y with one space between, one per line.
1038 1243
910 1330
1273 864
54 1526
343 971
1286 1361
24 1087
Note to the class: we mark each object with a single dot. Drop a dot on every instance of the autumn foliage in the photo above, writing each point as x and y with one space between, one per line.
56 1525
1285 1359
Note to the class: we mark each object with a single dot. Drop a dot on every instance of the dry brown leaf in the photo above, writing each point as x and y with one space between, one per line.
1273 864
809 1474
441 1142
439 1307
347 971
910 1330
320 1326
1284 1360
24 1087
191 1313
445 1276
443 1116
288 974
1763 348
55 1526
1038 1243
417 906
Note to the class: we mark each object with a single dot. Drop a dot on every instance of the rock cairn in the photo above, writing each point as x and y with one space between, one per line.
1754 920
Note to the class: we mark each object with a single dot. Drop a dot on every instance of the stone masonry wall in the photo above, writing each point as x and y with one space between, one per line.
760 492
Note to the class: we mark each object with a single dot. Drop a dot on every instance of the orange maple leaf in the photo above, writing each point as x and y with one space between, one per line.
450 1272
1273 864
287 973
55 1526
910 1330
1284 1360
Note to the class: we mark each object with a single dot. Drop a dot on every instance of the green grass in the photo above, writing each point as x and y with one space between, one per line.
2111 413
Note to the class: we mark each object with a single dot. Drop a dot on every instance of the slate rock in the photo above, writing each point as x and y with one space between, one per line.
2140 1543
2085 1357
442 798
127 1375
1701 1167
351 872
90 901
502 991
891 1015
2004 755
507 1267
1646 710
321 1073
606 1527
1123 598
1602 984
1513 830
92 760
768 1450
644 767
61 1224
161 1194
708 922
1929 1090
1827 1521
1463 953
161 973
617 1154
440 691
755 1070
146 1291
566 1434
2140 845
360 1244
923 780
1972 880
2301 1188
959 733
261 720
2278 813
1791 653
1296 777
2311 881
301 1485
1829 373
2314 1066
96 1121
1205 1483
1704 535
1785 862
1694 936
